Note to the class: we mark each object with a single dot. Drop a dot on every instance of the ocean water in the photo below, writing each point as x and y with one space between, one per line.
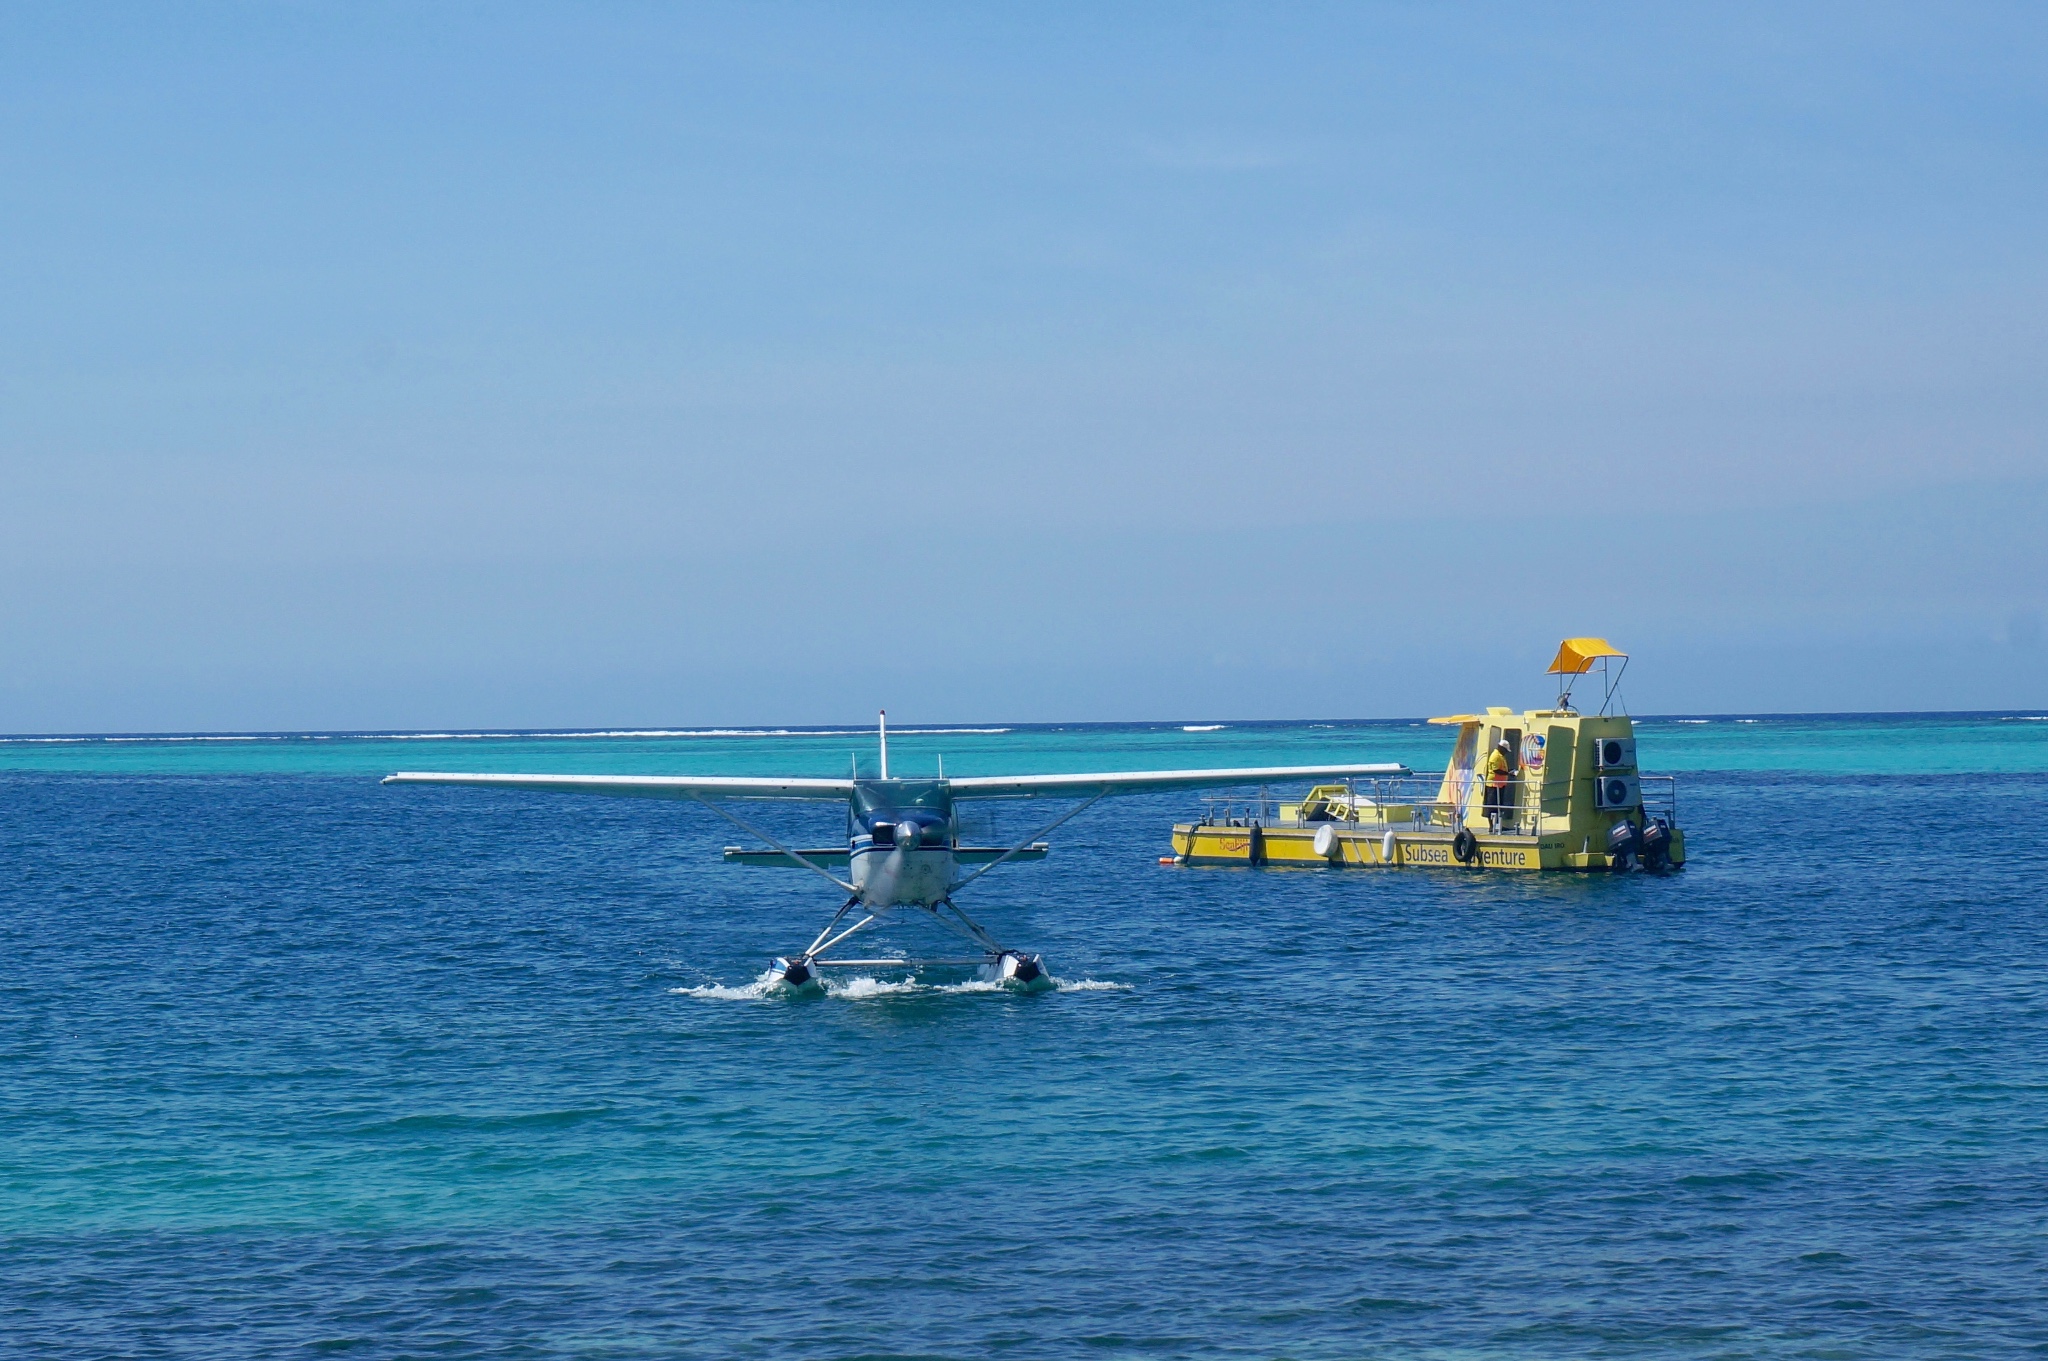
292 1064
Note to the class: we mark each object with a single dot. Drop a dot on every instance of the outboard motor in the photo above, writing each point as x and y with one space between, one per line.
1656 845
1623 843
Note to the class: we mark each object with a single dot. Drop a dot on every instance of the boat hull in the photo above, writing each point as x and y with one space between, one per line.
1365 847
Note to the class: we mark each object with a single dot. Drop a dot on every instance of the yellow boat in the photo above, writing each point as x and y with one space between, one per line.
1573 799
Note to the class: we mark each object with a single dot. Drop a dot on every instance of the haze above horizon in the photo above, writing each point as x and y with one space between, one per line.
530 366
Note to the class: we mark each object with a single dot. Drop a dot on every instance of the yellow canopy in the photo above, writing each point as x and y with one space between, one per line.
1459 718
1575 656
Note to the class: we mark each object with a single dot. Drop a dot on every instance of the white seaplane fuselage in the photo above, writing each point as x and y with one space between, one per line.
888 876
900 839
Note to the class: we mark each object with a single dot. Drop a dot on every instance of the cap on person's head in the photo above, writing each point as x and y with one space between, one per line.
1503 744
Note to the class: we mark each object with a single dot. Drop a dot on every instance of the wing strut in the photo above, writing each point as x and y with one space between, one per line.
1023 845
811 865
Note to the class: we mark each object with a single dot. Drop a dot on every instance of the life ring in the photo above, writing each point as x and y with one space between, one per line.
1464 846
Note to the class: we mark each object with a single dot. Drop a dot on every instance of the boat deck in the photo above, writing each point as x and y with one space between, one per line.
1395 823
1206 843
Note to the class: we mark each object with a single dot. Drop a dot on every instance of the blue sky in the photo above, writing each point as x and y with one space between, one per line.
418 365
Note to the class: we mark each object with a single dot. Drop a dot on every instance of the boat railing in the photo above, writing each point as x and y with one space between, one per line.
1410 803
1660 798
1401 804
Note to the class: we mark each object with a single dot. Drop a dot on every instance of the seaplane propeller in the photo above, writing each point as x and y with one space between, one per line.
903 852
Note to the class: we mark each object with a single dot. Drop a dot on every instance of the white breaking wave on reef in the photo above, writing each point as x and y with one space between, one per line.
665 732
751 732
227 737
1203 727
862 987
504 736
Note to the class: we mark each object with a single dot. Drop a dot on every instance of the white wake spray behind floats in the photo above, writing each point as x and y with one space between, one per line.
769 987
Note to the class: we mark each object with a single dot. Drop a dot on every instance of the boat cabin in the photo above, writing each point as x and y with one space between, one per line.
1548 788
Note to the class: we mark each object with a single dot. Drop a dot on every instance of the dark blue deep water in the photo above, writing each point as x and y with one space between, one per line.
296 1065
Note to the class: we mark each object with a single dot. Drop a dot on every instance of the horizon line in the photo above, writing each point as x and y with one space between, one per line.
991 728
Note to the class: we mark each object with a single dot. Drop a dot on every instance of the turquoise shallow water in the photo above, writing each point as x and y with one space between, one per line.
1917 744
295 1064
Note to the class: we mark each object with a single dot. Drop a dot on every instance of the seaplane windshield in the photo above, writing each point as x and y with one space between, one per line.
876 796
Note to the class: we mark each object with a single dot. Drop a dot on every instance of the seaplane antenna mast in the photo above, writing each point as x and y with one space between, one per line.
885 744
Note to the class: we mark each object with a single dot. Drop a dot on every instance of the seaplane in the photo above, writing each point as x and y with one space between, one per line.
903 855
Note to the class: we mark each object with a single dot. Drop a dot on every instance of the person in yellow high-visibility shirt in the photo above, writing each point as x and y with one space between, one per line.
1500 764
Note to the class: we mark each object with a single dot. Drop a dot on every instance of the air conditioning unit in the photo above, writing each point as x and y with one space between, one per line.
1614 753
1613 793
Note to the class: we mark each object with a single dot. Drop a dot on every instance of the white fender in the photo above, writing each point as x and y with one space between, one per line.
1387 845
1327 845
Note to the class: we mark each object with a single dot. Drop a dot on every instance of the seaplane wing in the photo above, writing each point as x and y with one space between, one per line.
696 787
903 852
1133 781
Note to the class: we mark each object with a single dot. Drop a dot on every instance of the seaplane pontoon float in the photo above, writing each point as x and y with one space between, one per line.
1565 795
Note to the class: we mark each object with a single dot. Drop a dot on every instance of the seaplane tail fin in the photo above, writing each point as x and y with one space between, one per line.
645 786
1131 781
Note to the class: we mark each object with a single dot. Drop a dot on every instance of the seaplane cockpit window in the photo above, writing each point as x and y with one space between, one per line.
880 808
872 800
